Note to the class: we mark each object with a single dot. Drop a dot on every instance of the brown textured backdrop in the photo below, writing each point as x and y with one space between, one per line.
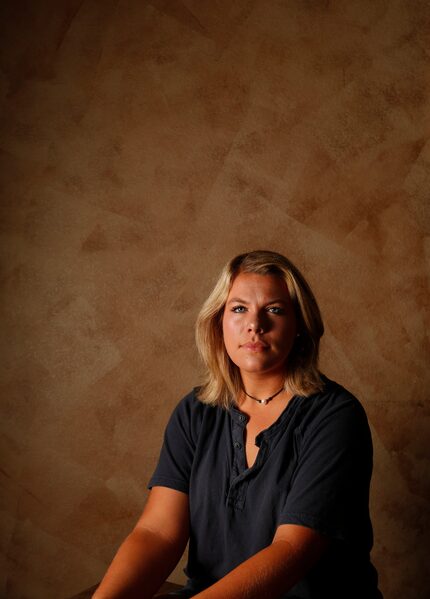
144 143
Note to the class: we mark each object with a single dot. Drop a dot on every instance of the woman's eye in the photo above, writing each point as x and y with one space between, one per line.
238 309
275 310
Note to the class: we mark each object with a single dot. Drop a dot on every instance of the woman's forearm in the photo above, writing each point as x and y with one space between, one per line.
141 565
268 574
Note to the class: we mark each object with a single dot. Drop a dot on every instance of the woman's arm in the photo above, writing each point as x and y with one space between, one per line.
151 551
272 572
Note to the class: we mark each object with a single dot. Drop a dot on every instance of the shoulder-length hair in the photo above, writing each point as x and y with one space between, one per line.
222 381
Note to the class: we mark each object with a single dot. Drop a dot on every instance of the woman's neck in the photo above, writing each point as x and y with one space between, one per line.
262 386
262 404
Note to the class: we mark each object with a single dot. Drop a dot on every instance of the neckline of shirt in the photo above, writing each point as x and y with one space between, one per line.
242 419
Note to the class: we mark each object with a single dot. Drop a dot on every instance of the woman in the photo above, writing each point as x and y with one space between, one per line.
266 467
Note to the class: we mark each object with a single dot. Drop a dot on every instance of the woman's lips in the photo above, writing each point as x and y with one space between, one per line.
255 347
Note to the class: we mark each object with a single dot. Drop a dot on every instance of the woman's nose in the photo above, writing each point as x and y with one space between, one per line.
255 325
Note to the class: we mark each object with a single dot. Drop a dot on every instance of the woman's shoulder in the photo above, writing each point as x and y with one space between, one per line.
190 412
333 402
191 404
335 394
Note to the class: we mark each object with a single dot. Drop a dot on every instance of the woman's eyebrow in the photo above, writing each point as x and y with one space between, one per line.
242 301
277 301
237 299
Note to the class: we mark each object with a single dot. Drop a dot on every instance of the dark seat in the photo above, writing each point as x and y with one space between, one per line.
166 588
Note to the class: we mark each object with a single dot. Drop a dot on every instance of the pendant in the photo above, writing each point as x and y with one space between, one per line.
263 401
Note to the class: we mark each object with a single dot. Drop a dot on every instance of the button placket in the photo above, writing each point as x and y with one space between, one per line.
238 427
237 489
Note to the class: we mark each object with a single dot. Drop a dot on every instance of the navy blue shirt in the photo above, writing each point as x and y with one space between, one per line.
313 468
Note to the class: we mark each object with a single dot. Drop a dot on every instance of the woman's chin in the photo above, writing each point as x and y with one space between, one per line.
261 369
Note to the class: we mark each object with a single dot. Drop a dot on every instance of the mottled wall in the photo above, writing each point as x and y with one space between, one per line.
144 143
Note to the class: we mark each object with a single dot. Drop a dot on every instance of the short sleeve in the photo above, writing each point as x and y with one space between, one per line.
177 453
330 486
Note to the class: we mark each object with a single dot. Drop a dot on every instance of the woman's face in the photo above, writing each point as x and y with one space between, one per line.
259 324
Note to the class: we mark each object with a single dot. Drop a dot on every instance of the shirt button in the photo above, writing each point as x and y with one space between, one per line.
242 418
237 445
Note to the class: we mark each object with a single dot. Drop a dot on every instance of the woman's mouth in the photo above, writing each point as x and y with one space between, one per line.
255 347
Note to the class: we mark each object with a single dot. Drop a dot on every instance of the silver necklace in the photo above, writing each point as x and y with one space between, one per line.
264 401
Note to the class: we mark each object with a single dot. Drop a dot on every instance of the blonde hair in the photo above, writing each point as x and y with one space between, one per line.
222 382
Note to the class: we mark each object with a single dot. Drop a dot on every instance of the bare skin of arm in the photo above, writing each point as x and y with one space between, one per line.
270 573
151 551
